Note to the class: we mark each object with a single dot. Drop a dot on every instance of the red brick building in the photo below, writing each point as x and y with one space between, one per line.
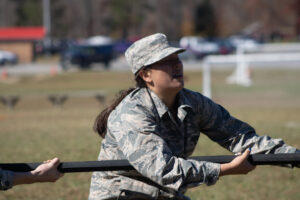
21 40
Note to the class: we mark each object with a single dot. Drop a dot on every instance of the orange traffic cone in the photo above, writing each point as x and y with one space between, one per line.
53 70
4 74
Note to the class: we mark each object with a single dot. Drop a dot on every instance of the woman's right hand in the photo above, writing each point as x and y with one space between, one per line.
239 165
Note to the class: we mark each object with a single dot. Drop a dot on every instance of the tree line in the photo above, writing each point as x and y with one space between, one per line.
130 18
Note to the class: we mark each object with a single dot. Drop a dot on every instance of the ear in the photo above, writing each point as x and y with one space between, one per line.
146 75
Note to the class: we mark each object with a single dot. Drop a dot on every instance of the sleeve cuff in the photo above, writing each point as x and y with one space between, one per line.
6 179
213 171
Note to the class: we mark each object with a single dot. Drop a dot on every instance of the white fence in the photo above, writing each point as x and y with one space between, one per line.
284 53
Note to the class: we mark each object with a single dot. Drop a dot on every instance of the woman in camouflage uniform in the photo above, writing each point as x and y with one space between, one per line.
156 126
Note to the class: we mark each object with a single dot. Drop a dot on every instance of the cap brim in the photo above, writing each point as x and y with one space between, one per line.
161 55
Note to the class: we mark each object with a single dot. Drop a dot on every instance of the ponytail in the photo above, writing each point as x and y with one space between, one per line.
100 125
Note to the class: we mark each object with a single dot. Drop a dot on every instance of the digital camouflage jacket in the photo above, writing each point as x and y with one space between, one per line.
142 130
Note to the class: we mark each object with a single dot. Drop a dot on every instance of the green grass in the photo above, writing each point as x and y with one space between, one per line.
35 130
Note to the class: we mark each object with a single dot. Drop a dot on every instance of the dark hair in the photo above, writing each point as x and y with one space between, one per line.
100 125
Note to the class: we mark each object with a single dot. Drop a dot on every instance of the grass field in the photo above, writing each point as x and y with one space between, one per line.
35 130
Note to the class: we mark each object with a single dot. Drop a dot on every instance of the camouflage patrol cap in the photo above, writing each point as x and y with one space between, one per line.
149 50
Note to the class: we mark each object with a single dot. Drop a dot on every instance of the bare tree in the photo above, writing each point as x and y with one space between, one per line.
121 19
7 13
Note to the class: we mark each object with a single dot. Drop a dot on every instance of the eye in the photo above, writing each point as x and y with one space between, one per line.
176 63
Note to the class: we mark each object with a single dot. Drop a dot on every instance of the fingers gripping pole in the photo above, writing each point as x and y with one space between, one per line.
115 165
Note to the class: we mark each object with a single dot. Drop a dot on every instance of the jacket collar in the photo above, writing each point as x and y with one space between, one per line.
184 104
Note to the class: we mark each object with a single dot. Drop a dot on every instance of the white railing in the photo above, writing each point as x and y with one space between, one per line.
276 47
284 53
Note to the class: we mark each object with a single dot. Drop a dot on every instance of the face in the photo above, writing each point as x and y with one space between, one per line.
165 76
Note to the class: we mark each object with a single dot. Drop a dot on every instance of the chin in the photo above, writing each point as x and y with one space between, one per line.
181 84
179 87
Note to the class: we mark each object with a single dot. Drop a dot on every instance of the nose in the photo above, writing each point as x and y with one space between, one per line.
178 65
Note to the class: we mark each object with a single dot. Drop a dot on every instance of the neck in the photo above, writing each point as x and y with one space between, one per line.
168 98
169 101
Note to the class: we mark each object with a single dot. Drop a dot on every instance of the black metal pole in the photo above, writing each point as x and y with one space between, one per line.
113 165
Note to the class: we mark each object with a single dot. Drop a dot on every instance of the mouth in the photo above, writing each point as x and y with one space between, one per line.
178 76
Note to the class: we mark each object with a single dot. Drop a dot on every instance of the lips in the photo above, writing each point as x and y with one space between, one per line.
178 76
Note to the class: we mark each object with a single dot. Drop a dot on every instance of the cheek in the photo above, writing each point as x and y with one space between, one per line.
162 78
167 75
167 72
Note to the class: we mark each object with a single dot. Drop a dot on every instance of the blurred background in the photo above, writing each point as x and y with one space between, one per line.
33 28
62 62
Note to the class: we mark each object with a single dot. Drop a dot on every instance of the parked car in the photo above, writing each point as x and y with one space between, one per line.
200 47
225 46
121 46
99 40
244 42
56 46
84 55
7 57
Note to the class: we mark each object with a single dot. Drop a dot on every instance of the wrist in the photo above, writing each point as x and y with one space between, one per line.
23 178
35 175
225 169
